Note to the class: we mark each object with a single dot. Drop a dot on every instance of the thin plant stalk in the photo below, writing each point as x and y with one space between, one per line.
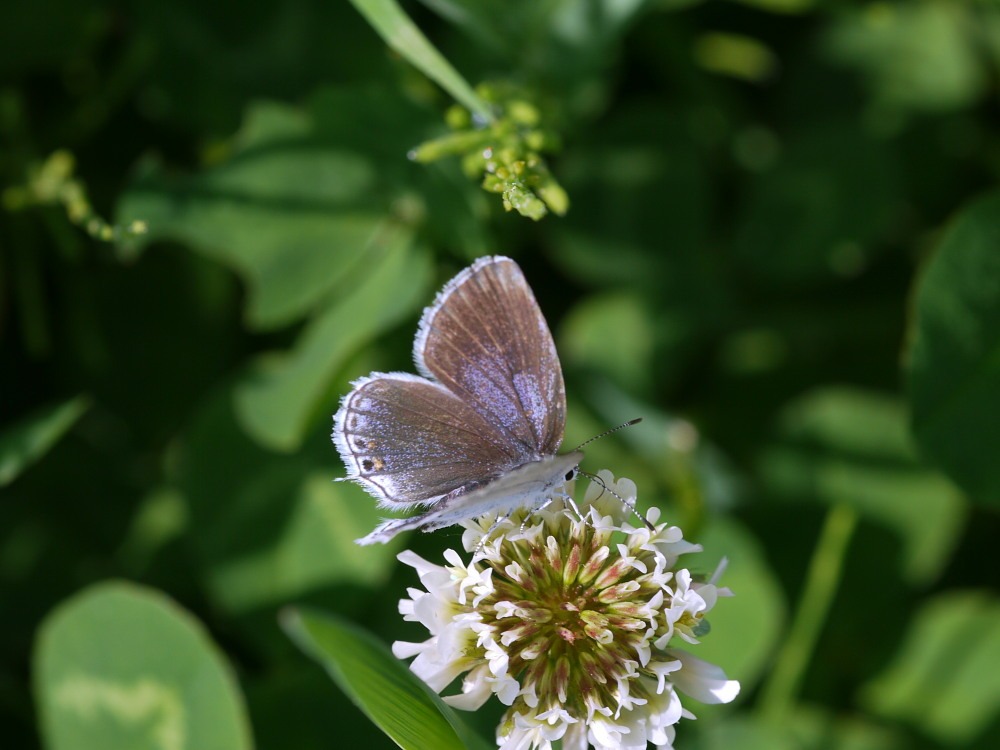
822 581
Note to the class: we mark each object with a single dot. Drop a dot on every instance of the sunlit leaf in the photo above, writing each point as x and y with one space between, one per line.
745 628
304 195
944 678
315 548
612 333
271 527
808 727
817 726
919 56
120 667
288 213
744 733
954 359
841 445
276 400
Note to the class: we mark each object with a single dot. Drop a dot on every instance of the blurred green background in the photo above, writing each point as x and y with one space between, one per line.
782 251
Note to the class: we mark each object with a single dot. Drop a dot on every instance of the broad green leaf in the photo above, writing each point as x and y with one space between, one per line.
611 332
272 527
122 667
289 213
277 399
400 33
25 442
746 627
743 733
809 727
314 548
954 359
944 678
402 706
840 445
816 726
303 195
913 56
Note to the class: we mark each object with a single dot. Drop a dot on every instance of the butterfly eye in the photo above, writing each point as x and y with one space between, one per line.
570 474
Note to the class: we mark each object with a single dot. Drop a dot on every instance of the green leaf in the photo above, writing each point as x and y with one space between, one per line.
944 678
745 628
808 727
272 527
842 445
400 33
121 667
744 733
816 726
287 212
314 548
275 402
402 706
24 443
301 202
954 360
614 333
919 56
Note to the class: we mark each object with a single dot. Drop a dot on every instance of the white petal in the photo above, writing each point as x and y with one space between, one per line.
405 649
415 561
575 737
661 669
702 680
476 690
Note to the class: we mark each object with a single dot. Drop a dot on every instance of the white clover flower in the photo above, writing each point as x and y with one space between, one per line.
569 621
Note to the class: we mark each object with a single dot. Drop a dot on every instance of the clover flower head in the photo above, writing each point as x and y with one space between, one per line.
572 621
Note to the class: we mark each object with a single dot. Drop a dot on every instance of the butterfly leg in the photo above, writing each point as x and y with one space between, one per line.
576 509
489 532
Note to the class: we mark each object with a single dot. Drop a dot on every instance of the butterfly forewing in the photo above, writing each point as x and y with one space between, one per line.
408 440
486 340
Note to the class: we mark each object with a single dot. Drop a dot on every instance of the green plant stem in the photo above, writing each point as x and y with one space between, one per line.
822 579
400 33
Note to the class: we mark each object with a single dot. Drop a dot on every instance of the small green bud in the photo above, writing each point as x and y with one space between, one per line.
523 113
457 118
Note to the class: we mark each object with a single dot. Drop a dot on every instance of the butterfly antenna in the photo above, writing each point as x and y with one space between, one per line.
604 486
608 432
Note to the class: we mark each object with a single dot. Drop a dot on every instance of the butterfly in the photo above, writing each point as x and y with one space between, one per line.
478 430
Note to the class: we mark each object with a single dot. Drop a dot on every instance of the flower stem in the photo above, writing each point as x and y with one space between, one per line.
822 579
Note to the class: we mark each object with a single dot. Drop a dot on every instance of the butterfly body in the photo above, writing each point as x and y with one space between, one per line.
529 485
478 431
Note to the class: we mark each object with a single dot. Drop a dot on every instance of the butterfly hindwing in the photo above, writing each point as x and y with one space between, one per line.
409 440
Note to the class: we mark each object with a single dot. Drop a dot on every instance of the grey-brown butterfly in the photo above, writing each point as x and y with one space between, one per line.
478 431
